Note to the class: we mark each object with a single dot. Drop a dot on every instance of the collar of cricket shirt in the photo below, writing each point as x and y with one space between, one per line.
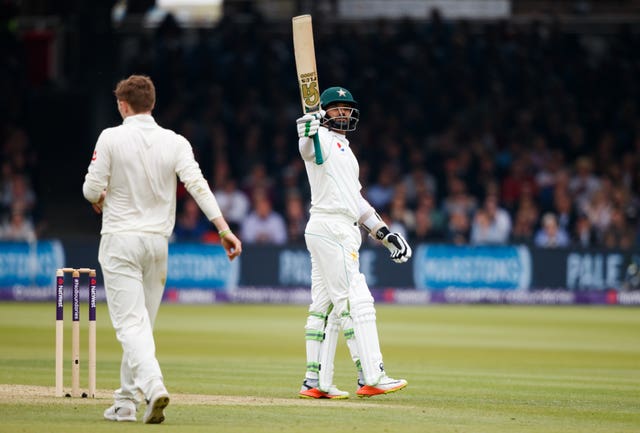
144 118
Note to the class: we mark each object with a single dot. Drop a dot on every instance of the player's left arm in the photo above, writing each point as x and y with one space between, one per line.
229 240
396 244
188 171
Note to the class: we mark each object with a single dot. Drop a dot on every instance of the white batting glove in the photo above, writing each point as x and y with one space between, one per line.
400 249
308 124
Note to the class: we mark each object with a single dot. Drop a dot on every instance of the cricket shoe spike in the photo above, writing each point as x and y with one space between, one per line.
155 405
310 389
386 385
121 411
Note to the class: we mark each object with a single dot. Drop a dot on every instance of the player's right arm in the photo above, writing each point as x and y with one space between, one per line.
98 173
308 126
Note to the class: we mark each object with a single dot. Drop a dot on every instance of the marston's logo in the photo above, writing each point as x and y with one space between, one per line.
341 147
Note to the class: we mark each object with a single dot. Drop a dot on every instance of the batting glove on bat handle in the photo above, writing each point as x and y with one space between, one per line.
398 246
308 125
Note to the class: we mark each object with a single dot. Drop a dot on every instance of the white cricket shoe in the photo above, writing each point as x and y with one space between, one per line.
155 405
121 411
386 385
310 389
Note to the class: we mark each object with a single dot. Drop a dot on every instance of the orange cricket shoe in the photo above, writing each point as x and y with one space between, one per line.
386 385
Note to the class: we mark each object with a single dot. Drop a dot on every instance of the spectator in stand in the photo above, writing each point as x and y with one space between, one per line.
491 224
381 192
564 210
458 200
458 228
418 179
583 184
424 231
513 184
263 225
618 235
296 217
399 210
191 224
562 181
429 220
547 177
583 235
625 199
598 209
550 235
291 182
485 175
259 179
18 189
481 233
528 201
17 227
524 227
233 203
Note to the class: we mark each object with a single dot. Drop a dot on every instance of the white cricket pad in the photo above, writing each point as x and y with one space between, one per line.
314 335
363 314
328 353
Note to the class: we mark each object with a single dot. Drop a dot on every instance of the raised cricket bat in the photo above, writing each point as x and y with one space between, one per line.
305 54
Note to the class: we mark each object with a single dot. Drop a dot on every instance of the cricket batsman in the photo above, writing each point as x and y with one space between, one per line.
340 297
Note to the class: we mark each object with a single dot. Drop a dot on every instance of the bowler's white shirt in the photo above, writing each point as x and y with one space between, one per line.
137 163
335 184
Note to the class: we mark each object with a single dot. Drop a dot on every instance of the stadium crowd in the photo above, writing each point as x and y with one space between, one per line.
470 133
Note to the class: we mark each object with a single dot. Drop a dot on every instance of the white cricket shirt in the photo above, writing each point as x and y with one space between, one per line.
335 184
137 163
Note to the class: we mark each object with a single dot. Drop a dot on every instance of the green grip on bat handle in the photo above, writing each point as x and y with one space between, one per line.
317 149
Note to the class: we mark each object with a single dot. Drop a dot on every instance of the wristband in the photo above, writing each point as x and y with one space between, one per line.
224 232
382 232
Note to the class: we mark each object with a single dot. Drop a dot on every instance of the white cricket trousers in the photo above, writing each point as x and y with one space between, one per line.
333 242
134 267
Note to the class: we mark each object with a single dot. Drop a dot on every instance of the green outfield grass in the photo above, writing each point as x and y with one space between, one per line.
237 368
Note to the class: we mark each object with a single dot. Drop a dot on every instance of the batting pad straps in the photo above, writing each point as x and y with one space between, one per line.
314 336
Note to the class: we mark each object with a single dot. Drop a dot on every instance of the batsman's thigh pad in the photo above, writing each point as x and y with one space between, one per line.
363 314
328 352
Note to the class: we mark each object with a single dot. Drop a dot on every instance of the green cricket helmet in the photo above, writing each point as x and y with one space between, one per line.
340 97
